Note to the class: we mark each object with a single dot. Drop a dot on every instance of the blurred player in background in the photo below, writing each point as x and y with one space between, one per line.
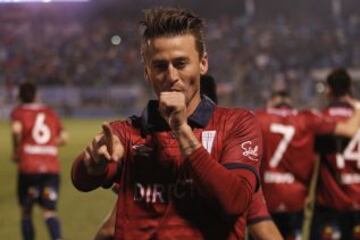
337 214
259 222
289 157
37 132
180 169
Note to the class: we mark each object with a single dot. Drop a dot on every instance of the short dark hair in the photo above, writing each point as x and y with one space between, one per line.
280 98
208 87
162 21
339 82
27 92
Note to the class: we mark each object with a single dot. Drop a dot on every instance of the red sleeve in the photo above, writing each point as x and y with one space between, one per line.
258 210
55 117
59 123
232 181
14 116
320 123
85 182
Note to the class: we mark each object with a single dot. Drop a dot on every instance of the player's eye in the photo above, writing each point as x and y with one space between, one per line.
160 66
180 64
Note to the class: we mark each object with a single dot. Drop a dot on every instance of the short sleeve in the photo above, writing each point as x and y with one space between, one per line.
243 144
320 123
257 209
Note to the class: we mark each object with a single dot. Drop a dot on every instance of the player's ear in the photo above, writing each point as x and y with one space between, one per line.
204 64
146 74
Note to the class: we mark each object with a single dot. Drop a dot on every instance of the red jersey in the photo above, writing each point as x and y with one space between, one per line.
164 196
38 151
289 155
339 184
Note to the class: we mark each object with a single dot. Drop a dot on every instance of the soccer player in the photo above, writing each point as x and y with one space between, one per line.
259 222
337 211
37 132
186 168
289 157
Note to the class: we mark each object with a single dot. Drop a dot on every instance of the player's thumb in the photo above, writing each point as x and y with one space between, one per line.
112 142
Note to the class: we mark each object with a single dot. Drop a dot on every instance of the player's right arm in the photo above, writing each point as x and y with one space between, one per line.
349 127
16 129
98 161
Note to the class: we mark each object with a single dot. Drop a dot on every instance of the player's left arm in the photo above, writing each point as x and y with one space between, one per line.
62 138
16 129
259 223
62 135
264 230
230 186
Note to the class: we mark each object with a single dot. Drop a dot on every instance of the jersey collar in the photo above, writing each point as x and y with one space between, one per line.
151 119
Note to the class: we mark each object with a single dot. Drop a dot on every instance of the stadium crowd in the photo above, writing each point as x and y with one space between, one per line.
258 55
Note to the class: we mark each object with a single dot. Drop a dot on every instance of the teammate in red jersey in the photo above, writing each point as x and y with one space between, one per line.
187 169
259 222
337 214
37 132
289 157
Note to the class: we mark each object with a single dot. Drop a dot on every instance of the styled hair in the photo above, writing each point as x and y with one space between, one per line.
208 87
339 82
281 93
27 92
168 22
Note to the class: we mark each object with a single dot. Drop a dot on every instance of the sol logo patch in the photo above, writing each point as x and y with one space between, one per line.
250 151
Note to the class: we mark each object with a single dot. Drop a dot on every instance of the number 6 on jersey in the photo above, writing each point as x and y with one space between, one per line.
41 132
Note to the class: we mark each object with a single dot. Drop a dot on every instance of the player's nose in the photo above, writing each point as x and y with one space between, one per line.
172 75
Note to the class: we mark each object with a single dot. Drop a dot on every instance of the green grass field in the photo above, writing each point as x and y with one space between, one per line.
80 213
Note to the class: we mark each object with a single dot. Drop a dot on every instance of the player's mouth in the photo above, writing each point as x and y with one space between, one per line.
175 90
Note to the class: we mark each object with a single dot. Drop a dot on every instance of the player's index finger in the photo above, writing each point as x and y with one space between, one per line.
108 135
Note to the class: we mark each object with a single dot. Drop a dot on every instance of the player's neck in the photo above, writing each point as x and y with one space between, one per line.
193 103
344 98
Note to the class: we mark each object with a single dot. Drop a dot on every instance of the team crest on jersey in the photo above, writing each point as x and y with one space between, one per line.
250 150
207 139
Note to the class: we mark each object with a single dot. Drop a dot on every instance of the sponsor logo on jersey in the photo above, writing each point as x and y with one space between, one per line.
207 138
250 150
161 193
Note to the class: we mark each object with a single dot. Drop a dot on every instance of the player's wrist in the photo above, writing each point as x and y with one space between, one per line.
187 141
180 129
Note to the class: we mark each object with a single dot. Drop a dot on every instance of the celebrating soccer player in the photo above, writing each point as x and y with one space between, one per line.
186 168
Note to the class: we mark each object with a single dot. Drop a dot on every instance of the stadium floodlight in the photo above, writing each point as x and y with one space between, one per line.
43 1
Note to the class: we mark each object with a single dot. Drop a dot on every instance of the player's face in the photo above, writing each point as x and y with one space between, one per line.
173 64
